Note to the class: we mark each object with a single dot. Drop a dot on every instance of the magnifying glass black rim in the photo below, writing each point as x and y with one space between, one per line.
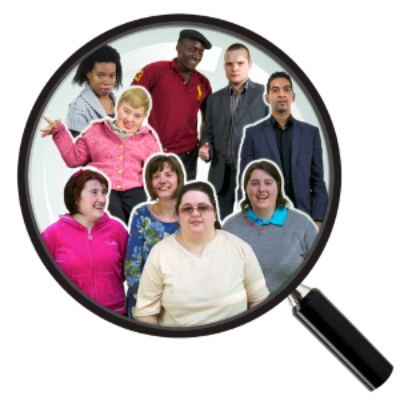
26 205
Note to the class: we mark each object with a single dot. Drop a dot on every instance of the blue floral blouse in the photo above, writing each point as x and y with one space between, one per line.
145 232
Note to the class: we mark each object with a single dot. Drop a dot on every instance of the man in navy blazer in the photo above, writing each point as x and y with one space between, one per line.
227 112
293 145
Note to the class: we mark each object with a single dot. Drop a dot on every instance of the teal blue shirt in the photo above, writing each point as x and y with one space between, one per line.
278 218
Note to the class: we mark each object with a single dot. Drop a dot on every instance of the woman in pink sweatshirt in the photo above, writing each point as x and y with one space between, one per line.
87 244
118 148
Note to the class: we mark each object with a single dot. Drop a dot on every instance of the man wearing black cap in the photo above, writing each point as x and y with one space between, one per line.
178 92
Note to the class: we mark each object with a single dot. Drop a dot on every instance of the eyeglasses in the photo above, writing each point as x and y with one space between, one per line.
188 210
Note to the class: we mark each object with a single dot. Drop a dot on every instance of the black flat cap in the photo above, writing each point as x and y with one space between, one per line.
191 34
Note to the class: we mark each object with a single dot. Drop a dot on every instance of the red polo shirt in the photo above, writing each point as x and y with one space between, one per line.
175 104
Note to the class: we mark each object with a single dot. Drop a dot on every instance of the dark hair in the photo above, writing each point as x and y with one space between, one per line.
74 187
238 46
156 164
199 186
270 169
276 75
106 54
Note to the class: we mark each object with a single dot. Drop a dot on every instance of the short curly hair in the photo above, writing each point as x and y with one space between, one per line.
75 185
136 97
105 54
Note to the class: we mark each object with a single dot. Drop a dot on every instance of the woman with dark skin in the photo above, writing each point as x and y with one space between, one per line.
117 148
100 73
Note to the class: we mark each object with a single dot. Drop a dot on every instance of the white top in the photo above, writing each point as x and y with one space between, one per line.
187 291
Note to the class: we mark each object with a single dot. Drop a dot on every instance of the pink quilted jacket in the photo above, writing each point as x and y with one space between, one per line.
100 147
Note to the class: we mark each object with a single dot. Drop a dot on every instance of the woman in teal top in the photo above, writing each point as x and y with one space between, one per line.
280 236
152 222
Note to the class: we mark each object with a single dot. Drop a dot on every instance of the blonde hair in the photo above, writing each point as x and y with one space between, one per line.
239 46
136 97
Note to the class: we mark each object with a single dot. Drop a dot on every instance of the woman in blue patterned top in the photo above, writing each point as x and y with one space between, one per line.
152 222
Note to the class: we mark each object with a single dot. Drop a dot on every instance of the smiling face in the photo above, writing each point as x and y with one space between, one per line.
200 221
190 53
262 191
280 96
165 182
102 78
92 202
129 119
237 66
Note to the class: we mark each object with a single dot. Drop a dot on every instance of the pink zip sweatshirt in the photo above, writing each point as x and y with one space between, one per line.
122 161
93 260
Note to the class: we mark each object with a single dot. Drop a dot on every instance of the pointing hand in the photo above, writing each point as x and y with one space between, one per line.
52 125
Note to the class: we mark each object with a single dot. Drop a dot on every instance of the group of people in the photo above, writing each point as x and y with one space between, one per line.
179 91
181 266
182 269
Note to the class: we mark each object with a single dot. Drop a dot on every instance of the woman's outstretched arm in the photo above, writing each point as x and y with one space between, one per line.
74 154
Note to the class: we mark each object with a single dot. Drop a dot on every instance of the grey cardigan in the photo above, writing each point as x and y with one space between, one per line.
85 109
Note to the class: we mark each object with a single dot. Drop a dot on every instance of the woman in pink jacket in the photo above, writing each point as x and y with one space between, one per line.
118 148
87 244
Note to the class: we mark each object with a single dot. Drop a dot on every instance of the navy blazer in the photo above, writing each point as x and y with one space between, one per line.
307 167
217 126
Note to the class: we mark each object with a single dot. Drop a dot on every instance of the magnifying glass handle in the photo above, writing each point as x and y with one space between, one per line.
340 336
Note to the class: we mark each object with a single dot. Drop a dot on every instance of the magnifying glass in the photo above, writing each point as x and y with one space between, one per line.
42 174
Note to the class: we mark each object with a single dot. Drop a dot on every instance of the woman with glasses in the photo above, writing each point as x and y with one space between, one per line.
202 274
152 222
281 237
100 73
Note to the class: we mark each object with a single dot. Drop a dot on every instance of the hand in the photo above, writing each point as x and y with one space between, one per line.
52 125
318 223
204 153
